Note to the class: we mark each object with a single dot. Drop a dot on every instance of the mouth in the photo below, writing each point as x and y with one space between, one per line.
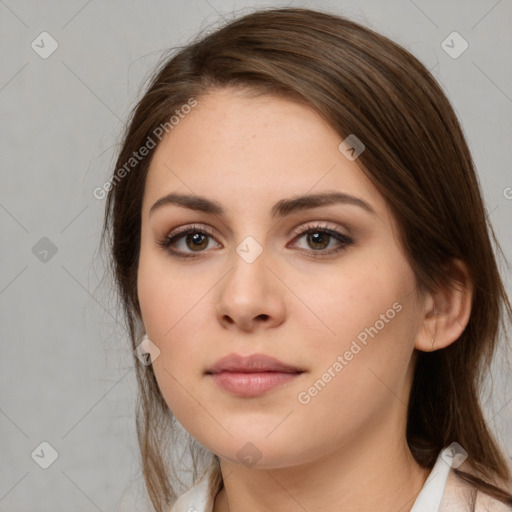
253 375
251 383
254 363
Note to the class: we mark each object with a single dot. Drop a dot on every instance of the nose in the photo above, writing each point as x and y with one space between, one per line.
250 296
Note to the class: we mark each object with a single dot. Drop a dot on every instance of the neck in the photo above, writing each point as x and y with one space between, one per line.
376 471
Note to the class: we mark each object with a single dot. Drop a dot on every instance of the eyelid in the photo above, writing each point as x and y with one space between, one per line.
184 229
320 225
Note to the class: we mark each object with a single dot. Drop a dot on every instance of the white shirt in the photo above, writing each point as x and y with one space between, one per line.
431 498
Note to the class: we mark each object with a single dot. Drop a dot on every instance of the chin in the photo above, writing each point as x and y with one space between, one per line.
256 449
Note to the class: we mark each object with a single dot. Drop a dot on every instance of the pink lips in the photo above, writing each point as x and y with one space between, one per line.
251 375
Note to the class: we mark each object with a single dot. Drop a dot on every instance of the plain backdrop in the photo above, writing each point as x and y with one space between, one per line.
66 372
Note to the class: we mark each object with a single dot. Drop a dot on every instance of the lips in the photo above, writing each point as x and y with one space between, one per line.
251 376
255 363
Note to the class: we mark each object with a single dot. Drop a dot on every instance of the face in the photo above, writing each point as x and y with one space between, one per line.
322 287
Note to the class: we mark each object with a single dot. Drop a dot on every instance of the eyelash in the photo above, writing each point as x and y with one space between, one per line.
345 241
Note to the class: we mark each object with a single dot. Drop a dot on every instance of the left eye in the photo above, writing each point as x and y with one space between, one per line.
197 240
319 238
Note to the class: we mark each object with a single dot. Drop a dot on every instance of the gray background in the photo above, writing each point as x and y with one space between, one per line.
66 372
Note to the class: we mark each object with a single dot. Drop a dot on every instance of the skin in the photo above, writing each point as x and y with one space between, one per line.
346 449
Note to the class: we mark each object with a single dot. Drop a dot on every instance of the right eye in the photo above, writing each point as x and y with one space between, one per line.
194 237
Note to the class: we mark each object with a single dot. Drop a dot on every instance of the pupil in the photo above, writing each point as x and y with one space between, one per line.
318 237
197 237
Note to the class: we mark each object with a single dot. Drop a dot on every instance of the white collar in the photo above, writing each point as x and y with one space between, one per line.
431 494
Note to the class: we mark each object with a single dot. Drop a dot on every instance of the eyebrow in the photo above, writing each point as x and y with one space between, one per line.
280 209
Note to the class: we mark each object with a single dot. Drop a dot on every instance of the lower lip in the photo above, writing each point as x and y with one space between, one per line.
251 384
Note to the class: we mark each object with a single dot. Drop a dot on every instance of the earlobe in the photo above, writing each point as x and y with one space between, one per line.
447 312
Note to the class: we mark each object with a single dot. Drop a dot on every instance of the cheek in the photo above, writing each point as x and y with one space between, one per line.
350 302
172 314
362 373
176 318
165 295
372 318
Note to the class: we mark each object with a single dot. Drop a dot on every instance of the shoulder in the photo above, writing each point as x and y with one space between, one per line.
486 503
462 496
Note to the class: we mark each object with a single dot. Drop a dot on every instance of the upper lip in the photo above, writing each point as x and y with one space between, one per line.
251 364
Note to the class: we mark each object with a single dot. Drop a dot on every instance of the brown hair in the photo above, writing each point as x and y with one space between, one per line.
417 157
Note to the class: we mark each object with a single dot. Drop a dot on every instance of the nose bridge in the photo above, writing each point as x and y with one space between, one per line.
247 294
249 267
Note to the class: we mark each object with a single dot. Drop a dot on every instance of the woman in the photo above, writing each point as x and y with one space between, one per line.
302 252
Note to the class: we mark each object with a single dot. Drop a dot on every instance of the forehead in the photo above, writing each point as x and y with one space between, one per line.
252 151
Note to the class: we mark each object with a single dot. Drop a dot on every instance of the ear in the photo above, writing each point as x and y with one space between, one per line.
447 312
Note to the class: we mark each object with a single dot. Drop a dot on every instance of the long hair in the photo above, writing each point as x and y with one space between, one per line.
416 155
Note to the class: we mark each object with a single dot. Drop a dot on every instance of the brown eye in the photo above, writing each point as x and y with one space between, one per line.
196 241
192 240
318 239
